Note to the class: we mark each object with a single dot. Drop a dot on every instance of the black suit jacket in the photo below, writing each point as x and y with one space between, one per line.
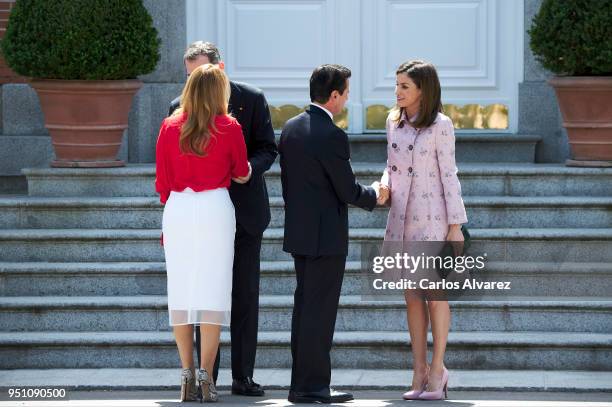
318 183
248 105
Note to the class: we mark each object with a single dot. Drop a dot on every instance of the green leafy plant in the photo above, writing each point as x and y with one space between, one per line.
81 39
574 37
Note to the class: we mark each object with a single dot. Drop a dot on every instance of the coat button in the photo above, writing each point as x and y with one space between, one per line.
409 169
410 147
394 168
394 145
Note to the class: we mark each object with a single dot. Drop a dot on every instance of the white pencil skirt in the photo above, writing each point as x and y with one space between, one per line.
199 229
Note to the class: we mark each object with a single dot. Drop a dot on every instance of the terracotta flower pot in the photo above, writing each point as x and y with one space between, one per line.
86 119
586 107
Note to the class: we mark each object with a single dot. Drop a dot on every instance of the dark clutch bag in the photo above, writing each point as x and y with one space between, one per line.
447 251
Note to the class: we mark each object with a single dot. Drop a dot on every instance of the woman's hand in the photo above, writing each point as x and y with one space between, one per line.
455 236
244 180
385 193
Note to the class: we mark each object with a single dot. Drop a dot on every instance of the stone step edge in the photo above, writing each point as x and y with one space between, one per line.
480 339
521 234
140 202
348 379
159 302
460 138
279 267
360 168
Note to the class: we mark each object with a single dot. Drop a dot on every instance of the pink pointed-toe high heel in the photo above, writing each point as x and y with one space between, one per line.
414 394
440 393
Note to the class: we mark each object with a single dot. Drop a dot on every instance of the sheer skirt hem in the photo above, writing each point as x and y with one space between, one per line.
189 317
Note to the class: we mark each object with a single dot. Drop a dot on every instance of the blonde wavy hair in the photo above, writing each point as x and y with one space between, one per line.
205 95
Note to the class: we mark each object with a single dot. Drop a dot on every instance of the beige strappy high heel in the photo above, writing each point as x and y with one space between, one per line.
188 386
207 387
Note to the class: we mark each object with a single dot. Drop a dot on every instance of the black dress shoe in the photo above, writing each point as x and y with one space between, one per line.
319 397
246 387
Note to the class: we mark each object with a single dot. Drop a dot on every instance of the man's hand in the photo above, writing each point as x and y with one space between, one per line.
244 180
381 194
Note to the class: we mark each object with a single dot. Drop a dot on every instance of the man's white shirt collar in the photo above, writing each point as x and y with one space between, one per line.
331 116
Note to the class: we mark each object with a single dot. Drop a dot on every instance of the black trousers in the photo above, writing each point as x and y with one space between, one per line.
319 281
245 306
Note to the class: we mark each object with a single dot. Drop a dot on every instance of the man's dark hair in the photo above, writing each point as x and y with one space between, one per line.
195 49
327 78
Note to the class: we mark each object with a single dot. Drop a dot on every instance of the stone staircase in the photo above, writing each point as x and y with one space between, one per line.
82 279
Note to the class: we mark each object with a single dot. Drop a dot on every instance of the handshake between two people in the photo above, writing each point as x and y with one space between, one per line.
383 193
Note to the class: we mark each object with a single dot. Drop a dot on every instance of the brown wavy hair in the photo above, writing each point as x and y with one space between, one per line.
205 95
425 77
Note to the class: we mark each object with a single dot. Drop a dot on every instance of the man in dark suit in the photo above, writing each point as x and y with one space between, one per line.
248 105
318 184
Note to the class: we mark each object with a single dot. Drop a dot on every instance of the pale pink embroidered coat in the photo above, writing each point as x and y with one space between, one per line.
422 174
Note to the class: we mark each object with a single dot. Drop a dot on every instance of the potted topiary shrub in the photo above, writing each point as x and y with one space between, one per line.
83 57
573 39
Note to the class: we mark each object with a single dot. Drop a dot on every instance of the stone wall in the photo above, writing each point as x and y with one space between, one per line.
538 109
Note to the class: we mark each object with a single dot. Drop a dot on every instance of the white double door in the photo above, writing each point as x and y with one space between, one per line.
476 45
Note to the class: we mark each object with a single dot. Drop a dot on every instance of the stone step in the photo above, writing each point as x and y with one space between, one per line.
499 212
515 179
541 281
364 350
78 245
470 147
146 212
149 313
397 380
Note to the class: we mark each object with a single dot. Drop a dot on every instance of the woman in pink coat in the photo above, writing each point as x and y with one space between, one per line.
426 205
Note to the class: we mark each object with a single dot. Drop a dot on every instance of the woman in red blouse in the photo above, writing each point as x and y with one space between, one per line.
200 150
